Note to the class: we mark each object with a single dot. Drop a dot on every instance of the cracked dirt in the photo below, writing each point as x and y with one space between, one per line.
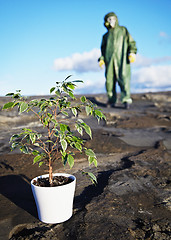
132 198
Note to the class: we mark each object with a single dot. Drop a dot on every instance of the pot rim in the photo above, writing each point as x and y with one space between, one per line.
54 174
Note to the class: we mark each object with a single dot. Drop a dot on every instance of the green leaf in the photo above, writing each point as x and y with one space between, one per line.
99 114
24 149
92 177
89 152
74 111
23 107
78 146
52 89
32 138
9 94
14 145
63 127
40 164
64 88
70 160
37 159
34 102
79 129
49 115
103 116
88 110
92 160
49 141
16 95
35 152
36 144
27 130
80 120
54 121
87 129
68 77
72 95
14 137
64 144
8 105
56 133
57 93
83 99
39 136
65 113
78 81
45 122
64 157
71 86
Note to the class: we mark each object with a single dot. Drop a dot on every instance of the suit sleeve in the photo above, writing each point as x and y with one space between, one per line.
103 47
131 44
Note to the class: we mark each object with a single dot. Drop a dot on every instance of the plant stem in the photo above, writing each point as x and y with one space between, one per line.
50 170
49 155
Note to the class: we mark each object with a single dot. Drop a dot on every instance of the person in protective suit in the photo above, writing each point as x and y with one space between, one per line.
118 50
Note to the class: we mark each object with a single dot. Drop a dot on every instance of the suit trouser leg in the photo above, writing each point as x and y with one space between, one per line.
124 85
111 84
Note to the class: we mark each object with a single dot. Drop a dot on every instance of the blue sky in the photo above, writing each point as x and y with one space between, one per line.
44 41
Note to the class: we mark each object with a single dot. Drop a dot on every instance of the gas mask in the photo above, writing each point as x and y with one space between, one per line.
111 20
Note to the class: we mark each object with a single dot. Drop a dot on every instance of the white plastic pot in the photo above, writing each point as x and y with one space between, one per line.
54 204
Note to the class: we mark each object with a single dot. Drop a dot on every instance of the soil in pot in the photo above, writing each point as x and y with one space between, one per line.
57 181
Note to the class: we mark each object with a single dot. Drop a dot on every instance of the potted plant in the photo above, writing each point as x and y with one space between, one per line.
54 192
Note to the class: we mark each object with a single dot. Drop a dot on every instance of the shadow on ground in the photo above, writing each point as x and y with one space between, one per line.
17 189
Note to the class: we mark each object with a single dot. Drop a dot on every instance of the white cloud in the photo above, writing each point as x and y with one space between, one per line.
88 62
85 62
142 61
92 85
152 78
148 74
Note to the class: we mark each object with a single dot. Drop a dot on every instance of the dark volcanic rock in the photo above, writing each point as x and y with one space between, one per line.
132 198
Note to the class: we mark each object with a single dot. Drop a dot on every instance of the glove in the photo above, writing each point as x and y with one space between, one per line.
132 57
101 63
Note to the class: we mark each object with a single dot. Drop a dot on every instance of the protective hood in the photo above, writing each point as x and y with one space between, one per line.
106 23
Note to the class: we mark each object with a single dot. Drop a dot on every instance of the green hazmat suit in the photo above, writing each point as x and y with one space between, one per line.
116 45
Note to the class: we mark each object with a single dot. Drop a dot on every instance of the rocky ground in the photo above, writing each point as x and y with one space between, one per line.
132 198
